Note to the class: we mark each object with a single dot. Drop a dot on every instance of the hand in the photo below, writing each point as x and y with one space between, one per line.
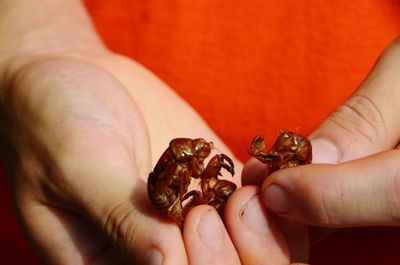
80 128
360 139
250 236
77 149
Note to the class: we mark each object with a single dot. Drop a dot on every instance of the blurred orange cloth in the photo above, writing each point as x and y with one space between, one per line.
253 67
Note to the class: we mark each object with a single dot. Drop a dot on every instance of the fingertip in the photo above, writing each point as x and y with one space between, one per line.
304 193
325 151
287 192
156 242
143 234
235 204
253 230
276 199
167 246
238 198
284 177
291 184
254 172
283 193
206 239
204 223
153 257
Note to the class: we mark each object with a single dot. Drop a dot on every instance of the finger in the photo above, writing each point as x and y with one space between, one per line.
297 238
117 206
296 234
206 239
62 237
253 230
367 122
362 192
140 233
364 124
254 172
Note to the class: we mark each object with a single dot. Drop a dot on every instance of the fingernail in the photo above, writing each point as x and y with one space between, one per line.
153 257
254 216
275 199
209 229
324 152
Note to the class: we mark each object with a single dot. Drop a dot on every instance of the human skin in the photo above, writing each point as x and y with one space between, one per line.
81 127
354 180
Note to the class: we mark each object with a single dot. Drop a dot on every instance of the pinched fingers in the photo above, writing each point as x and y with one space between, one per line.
253 230
362 192
355 193
368 121
206 239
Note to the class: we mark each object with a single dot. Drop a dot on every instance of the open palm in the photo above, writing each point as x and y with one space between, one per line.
80 149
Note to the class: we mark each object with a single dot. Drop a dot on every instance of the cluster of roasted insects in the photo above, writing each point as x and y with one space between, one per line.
183 160
289 150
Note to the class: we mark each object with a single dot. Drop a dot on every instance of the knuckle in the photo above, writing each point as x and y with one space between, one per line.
361 119
121 225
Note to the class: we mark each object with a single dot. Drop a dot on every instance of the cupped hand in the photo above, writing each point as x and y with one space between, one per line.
81 128
76 147
355 180
80 135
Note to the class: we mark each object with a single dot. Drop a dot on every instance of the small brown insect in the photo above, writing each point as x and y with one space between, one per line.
289 150
215 192
183 160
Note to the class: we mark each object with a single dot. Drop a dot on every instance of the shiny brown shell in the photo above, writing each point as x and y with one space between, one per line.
183 160
289 150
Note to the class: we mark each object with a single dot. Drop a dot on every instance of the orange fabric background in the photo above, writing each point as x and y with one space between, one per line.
251 67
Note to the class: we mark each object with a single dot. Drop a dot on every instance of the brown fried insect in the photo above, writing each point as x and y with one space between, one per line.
289 150
183 160
216 191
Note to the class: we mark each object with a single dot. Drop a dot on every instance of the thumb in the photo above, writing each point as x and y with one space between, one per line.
127 218
368 121
365 124
362 192
107 210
